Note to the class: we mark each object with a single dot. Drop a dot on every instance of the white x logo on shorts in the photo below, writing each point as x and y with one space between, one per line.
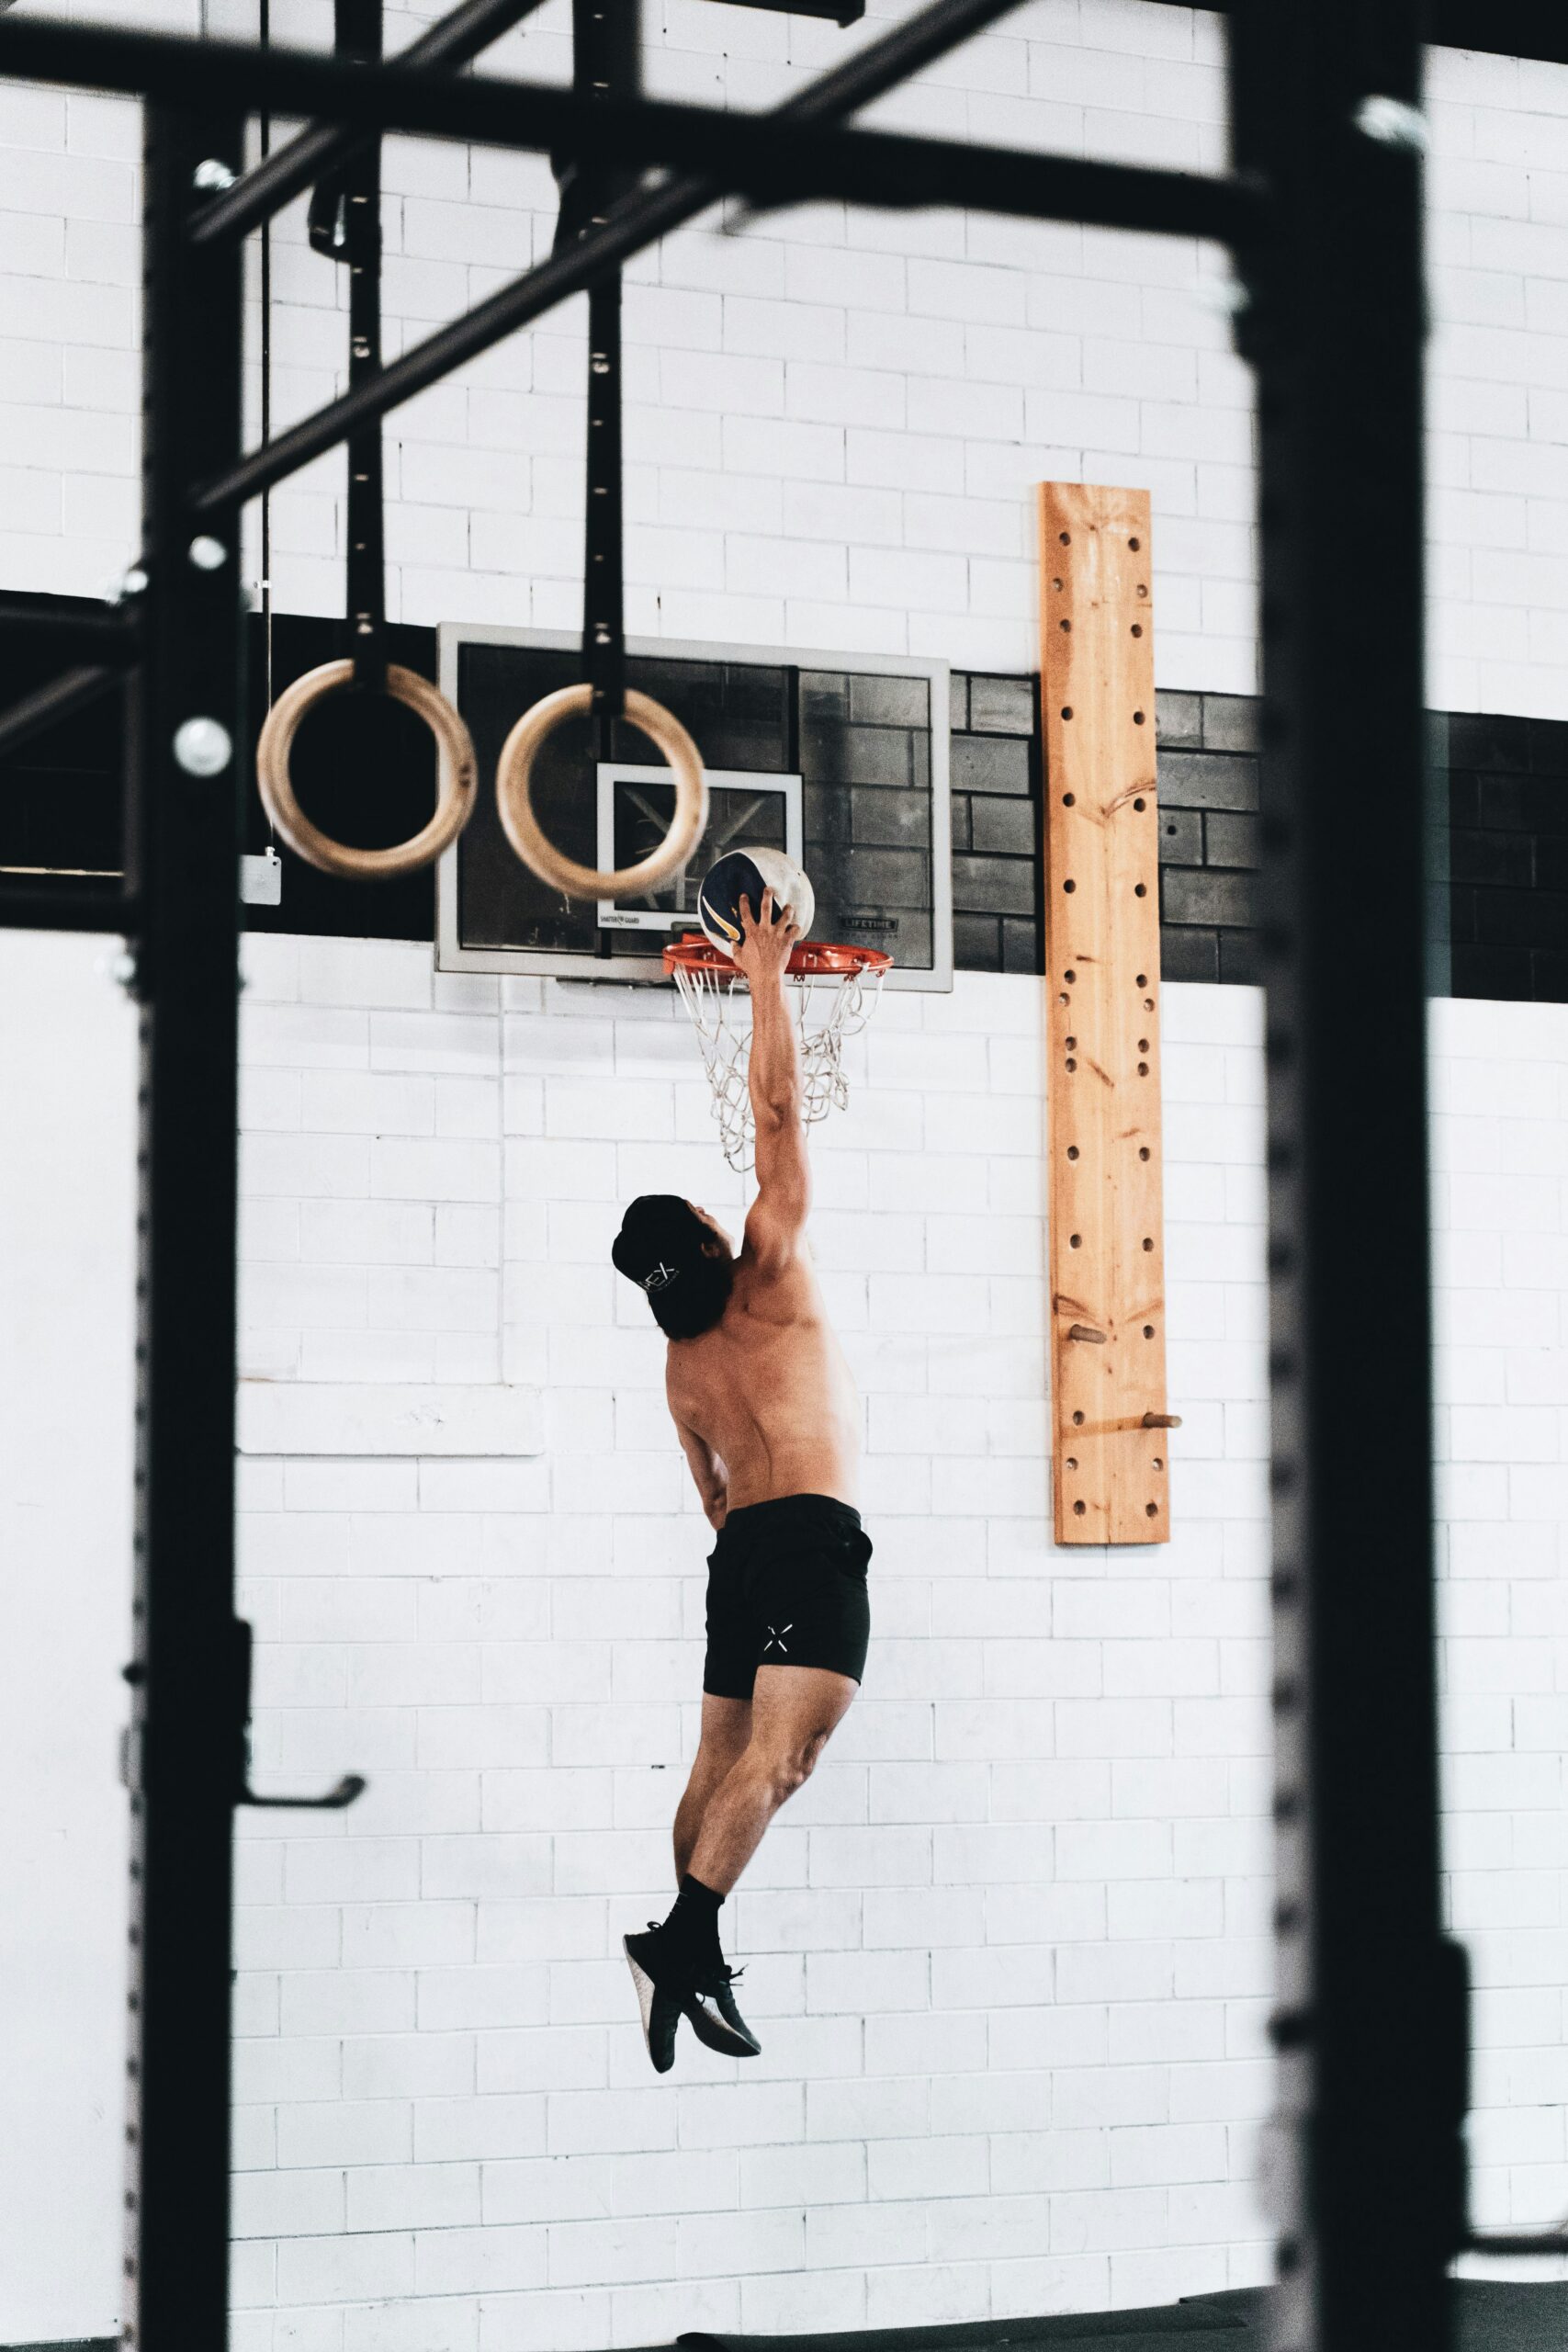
778 1638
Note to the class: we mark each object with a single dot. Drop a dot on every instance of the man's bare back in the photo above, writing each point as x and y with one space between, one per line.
764 1403
767 1418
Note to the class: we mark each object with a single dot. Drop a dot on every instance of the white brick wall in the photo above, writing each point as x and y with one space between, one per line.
1009 1948
834 419
1009 1951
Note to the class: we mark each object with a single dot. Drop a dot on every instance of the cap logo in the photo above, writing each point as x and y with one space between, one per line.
660 1278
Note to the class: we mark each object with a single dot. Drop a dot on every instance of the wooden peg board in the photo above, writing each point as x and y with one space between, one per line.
1107 1238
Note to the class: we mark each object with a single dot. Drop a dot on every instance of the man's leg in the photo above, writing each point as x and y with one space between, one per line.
795 1710
727 1730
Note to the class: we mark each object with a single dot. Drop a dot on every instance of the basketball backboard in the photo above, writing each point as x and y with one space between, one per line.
841 759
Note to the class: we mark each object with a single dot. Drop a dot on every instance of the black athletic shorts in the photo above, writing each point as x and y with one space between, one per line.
786 1587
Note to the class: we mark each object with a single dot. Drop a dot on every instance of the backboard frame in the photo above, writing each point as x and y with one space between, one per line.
647 971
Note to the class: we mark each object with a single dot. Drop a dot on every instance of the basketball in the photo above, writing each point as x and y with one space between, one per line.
746 874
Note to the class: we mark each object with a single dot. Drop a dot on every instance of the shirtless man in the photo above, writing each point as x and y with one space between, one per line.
766 1411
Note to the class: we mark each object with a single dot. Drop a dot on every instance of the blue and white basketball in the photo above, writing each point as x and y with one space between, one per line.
746 874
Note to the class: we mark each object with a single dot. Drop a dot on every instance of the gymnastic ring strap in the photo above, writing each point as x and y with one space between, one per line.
456 774
515 770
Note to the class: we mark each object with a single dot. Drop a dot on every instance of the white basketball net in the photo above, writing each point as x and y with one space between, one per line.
829 1007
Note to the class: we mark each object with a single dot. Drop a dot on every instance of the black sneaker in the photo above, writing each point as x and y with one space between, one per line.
662 1995
715 2020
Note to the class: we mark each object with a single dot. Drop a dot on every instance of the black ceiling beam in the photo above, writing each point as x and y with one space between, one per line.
1496 27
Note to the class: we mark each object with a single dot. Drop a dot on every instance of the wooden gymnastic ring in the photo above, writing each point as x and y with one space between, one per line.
514 769
456 776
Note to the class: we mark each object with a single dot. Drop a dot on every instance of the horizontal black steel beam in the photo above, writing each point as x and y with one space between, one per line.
1496 27
1518 2242
324 147
107 630
53 906
48 704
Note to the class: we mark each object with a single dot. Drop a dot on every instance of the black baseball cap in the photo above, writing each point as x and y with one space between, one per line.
661 1238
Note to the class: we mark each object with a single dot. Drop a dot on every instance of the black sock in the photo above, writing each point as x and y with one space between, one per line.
693 1925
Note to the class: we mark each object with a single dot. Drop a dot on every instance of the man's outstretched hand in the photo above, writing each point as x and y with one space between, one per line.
762 951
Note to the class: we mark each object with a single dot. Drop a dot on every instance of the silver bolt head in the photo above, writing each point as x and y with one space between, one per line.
120 967
1228 296
203 746
211 176
207 553
130 584
1391 122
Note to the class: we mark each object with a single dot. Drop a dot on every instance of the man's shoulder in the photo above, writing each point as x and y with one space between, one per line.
770 1289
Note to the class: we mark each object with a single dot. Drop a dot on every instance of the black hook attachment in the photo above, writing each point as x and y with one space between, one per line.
336 1799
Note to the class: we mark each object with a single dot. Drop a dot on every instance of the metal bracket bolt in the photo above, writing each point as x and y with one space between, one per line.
131 582
1391 122
211 176
203 746
207 553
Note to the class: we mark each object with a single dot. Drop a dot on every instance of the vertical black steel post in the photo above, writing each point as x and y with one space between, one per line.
186 1759
1366 2166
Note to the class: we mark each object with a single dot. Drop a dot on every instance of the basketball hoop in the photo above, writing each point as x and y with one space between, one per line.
836 991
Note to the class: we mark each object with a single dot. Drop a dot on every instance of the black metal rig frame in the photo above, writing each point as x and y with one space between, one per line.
1322 213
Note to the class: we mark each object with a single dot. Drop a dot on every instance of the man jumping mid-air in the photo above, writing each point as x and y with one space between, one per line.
765 1409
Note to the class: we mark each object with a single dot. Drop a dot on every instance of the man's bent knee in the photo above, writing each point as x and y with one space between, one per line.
790 1769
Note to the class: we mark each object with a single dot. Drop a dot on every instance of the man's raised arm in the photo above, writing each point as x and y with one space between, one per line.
778 1214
